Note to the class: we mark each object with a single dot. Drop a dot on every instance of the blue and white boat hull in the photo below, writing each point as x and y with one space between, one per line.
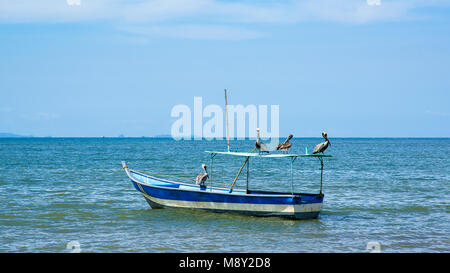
161 193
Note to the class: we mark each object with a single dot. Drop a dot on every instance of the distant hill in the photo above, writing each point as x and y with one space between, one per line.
163 136
5 135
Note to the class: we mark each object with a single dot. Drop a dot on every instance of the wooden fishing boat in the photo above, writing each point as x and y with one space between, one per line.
163 193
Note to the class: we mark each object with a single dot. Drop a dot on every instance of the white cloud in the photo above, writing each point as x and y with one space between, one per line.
202 19
204 32
434 113
40 116
6 109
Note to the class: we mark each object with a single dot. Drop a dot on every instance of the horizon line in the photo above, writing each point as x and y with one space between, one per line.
223 139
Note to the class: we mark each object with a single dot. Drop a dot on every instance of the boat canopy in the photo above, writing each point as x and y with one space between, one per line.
292 158
267 155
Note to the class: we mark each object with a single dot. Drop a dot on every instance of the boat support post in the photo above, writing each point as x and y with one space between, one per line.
211 176
321 174
248 174
240 170
292 174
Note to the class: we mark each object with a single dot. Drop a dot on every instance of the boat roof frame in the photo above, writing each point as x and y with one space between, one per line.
292 157
261 155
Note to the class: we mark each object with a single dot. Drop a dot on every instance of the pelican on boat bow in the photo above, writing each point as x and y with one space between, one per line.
162 193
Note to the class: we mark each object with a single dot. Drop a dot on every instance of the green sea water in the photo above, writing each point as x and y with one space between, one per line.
56 191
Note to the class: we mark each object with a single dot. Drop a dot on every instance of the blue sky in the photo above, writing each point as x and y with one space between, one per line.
104 68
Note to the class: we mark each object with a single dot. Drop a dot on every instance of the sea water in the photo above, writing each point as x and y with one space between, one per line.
57 193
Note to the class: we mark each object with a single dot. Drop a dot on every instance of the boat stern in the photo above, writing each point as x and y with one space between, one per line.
309 207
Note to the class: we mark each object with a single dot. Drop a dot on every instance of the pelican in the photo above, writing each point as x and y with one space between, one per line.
286 145
321 147
202 177
259 145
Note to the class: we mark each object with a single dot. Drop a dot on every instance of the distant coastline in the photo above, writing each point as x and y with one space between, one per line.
11 135
165 136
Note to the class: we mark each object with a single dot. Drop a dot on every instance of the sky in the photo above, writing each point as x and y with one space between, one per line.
353 68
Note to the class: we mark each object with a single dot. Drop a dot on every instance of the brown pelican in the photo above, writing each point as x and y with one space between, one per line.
286 145
202 177
259 145
321 147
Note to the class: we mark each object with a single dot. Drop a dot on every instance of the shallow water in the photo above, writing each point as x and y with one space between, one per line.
391 191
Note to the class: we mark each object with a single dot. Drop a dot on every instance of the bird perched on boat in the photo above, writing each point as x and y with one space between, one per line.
259 145
321 147
202 177
286 145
